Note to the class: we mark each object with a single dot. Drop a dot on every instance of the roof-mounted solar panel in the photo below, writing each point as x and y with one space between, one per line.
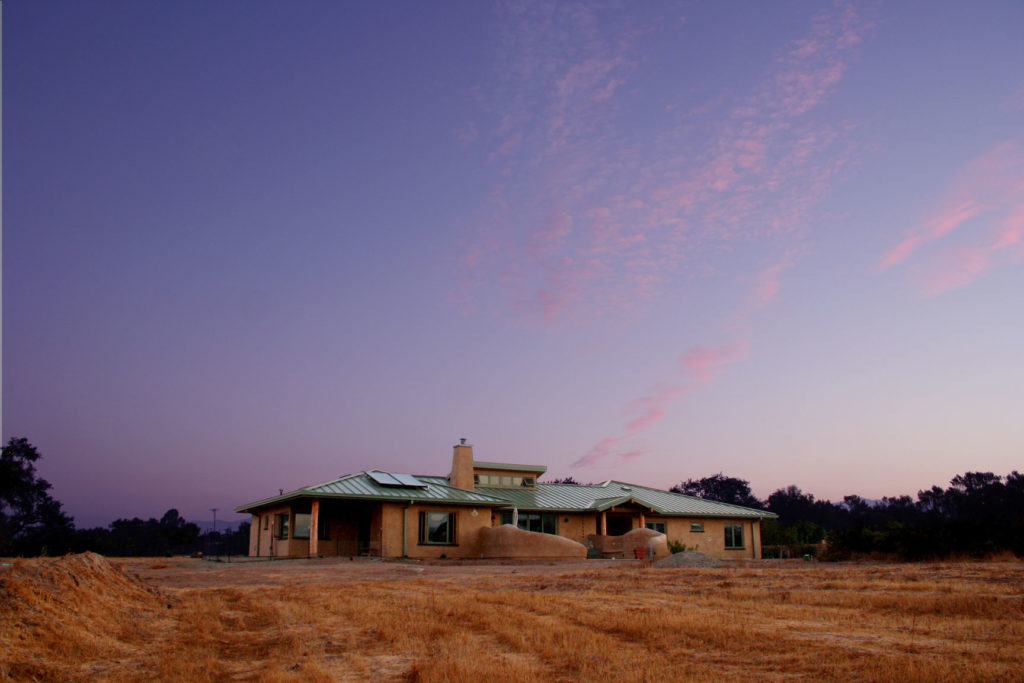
410 481
402 480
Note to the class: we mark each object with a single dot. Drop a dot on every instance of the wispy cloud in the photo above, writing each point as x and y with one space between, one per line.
984 202
596 215
699 365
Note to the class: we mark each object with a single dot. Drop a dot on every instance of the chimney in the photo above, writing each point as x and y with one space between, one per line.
461 476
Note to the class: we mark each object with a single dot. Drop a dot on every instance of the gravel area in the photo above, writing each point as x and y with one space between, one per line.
688 558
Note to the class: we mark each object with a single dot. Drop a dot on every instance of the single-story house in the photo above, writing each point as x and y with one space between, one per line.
385 514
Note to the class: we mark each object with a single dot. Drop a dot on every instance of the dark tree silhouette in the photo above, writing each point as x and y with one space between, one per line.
564 480
720 488
31 522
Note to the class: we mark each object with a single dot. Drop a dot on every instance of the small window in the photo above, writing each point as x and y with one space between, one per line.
266 522
733 535
301 526
476 478
281 525
529 481
656 526
437 528
697 527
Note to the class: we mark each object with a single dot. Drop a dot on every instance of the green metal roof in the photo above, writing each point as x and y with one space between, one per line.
505 466
551 497
597 497
361 486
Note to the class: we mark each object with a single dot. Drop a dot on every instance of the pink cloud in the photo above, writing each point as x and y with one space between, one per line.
704 362
767 283
942 223
611 217
985 202
700 364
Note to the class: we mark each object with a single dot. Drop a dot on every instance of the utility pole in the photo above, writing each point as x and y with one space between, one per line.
214 511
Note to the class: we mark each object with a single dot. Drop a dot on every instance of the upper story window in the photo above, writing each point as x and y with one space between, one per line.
504 481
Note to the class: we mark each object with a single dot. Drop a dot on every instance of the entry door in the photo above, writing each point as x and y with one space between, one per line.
618 525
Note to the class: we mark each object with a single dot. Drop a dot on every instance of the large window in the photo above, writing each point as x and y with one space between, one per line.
281 525
504 481
656 526
542 522
733 535
437 528
301 526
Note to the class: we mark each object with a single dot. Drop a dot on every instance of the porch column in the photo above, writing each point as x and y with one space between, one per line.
314 526
604 523
643 520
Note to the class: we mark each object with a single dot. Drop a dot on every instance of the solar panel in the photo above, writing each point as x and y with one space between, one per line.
410 481
403 480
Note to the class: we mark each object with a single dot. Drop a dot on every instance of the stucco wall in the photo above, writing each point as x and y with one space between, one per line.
712 540
507 541
467 526
579 526
624 546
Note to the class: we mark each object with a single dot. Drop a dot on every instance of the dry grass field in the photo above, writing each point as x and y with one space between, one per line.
84 618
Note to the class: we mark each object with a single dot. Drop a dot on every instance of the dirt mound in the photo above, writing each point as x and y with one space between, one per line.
688 558
57 613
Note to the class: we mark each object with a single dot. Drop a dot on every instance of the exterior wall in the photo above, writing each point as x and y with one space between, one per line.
467 529
262 541
712 540
507 541
578 527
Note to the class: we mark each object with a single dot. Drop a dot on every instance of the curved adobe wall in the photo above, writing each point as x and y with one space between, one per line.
624 545
507 541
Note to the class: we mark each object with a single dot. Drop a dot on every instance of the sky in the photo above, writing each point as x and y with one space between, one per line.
257 246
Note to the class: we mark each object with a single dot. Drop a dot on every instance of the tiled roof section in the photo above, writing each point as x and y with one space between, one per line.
569 498
360 486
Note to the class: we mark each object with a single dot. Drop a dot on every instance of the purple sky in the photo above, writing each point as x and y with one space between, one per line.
251 246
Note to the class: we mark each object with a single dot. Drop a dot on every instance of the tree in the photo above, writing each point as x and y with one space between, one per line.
721 488
564 480
31 522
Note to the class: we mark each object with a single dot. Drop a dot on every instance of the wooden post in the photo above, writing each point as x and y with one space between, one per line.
643 520
604 523
314 528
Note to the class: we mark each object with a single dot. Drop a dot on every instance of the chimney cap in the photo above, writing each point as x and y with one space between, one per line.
462 441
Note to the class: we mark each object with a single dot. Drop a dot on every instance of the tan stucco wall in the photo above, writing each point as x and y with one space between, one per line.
507 541
578 527
268 546
624 546
712 540
467 527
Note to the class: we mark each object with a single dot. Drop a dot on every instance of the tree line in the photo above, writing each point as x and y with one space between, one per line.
33 523
981 513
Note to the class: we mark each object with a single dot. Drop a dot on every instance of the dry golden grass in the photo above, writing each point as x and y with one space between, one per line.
79 618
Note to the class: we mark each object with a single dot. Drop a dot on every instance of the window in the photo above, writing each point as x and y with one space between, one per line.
437 528
529 481
266 522
281 525
656 526
541 522
697 527
301 526
733 535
